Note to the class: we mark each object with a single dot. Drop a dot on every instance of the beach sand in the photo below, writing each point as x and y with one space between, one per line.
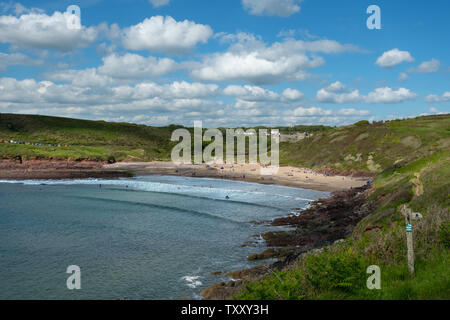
287 176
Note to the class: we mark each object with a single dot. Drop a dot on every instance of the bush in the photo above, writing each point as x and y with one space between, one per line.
343 270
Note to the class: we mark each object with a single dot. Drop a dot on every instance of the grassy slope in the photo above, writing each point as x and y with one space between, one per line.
371 147
96 140
413 161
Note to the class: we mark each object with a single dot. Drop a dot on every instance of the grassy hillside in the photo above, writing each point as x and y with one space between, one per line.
97 140
371 147
413 161
362 146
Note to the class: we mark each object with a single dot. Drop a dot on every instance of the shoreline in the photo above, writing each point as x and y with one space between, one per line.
69 169
313 227
286 176
327 222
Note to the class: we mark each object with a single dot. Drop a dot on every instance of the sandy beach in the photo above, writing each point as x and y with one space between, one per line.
287 176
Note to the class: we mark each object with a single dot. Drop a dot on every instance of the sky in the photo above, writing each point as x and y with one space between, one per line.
227 63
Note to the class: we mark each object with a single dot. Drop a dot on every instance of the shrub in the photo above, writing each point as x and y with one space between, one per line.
343 270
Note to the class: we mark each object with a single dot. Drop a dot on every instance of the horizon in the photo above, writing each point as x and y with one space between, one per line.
168 62
237 127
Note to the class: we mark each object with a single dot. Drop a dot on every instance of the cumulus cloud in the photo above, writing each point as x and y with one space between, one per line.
81 78
314 111
389 95
250 93
292 94
282 8
393 57
176 90
337 93
38 30
161 104
164 34
159 3
47 97
15 59
253 94
133 66
253 61
435 98
117 69
427 67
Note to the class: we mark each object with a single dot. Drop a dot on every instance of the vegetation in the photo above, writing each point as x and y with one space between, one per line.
416 174
411 161
370 147
82 139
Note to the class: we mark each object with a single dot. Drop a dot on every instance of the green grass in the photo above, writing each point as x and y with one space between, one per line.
96 140
339 271
386 143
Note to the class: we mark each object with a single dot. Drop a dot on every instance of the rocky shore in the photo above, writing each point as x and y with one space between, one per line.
325 222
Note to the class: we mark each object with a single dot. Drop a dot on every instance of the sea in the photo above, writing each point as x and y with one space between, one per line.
140 238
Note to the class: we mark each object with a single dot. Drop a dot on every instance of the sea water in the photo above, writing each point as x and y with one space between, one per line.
151 237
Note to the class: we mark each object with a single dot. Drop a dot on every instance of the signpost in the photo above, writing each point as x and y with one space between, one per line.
409 216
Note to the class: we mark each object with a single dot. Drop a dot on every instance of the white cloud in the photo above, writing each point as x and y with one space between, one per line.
337 93
282 8
393 57
159 104
246 95
177 90
81 78
435 98
164 34
117 69
292 94
133 66
253 61
314 111
254 67
427 67
28 91
15 59
159 3
389 95
41 31
250 93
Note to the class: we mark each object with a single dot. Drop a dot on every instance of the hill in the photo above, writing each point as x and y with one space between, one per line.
82 139
411 160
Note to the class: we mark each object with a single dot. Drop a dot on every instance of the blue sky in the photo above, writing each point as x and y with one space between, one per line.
228 63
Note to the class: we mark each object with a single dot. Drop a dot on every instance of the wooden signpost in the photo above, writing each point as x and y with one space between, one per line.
409 216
